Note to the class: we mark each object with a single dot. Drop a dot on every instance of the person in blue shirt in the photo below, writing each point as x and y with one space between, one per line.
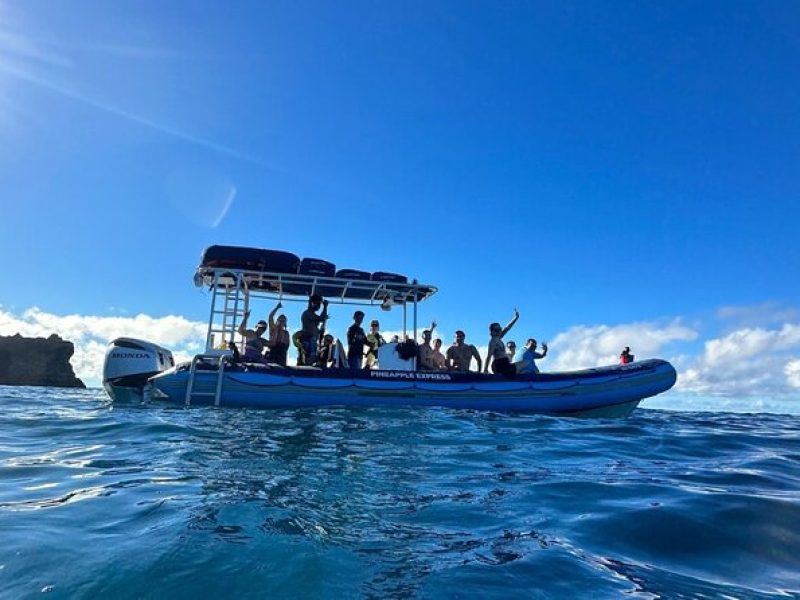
527 364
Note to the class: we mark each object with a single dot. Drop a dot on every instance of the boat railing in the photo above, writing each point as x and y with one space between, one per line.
297 286
233 289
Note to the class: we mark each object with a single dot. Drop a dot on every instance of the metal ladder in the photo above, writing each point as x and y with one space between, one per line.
229 303
190 393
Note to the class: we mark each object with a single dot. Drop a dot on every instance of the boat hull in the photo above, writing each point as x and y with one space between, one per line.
606 391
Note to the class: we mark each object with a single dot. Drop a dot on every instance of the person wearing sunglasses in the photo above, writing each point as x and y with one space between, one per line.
497 355
511 350
254 344
374 341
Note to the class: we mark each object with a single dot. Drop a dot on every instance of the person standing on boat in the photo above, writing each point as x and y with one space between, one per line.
511 349
325 352
459 355
254 342
297 342
374 341
437 358
311 326
527 364
279 339
356 340
625 357
497 354
425 357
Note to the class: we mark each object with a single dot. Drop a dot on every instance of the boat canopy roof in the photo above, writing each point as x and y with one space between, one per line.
282 275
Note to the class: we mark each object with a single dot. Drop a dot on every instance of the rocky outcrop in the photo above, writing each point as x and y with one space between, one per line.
37 361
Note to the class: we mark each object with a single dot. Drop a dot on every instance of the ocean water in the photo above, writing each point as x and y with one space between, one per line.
103 501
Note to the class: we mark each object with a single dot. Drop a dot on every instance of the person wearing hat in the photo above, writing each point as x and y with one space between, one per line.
356 340
374 340
254 341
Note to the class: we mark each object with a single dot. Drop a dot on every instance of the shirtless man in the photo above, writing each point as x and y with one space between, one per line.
437 358
425 358
459 355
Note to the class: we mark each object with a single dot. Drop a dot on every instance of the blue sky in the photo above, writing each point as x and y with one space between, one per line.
628 166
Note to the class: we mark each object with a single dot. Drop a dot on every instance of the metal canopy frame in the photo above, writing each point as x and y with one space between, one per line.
232 290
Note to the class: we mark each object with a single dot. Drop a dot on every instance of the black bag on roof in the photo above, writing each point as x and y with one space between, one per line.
389 277
354 274
250 259
318 267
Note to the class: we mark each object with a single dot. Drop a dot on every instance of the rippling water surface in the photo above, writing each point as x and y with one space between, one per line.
130 502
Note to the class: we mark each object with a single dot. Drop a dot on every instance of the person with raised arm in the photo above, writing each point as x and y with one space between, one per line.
425 357
254 343
497 354
527 363
279 338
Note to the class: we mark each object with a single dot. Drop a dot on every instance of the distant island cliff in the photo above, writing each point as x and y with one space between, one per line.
37 361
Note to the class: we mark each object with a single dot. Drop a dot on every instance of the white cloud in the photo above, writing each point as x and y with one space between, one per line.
584 346
91 334
792 370
749 361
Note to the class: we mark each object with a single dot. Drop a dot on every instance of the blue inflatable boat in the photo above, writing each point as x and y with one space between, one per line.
141 371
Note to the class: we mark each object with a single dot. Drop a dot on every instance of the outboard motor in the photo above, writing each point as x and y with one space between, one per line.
129 363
